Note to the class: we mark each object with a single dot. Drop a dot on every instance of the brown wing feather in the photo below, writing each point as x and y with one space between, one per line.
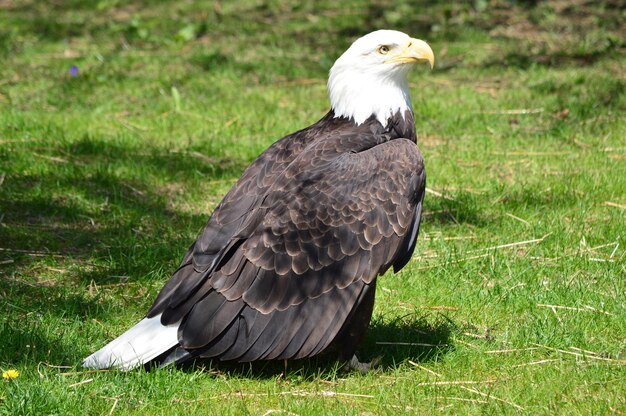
283 284
332 259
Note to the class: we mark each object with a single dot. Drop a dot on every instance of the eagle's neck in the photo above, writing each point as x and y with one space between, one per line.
359 95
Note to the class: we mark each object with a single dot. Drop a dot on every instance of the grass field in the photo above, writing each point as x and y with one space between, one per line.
122 124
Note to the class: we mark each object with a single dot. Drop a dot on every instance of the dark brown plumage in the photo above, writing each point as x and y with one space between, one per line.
287 264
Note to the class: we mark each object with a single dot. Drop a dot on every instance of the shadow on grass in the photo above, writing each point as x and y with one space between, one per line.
84 206
464 208
67 226
419 339
87 214
180 164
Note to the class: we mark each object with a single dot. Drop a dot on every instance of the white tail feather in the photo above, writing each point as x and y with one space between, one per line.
137 346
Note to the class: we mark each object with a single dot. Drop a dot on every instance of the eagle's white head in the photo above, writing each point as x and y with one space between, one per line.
371 76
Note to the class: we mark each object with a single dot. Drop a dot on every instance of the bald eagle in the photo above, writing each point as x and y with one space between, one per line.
286 266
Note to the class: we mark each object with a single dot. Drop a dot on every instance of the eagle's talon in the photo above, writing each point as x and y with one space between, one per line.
363 368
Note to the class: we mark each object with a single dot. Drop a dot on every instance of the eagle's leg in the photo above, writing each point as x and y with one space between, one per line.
354 331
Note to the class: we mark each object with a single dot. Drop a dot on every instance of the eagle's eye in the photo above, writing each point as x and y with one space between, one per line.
383 50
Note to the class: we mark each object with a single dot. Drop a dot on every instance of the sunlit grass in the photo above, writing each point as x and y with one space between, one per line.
514 301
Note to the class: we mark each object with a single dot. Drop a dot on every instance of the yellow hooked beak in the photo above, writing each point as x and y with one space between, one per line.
414 50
